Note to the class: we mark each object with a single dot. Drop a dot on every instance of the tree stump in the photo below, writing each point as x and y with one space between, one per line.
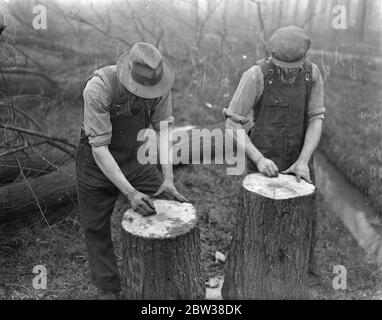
162 254
269 253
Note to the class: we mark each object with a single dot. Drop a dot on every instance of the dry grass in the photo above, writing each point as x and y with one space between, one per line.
352 137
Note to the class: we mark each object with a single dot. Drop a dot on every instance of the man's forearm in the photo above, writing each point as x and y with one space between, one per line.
312 138
164 150
245 145
111 169
250 149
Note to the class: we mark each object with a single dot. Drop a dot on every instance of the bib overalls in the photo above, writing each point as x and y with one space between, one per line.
96 193
280 119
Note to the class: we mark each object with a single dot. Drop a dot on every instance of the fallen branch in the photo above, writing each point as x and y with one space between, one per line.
63 149
19 149
27 117
49 47
24 71
53 191
33 194
37 134
100 30
32 166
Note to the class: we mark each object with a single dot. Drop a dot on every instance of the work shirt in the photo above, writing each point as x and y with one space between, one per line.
97 102
251 88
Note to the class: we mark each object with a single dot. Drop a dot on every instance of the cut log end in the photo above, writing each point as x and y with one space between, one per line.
172 220
279 188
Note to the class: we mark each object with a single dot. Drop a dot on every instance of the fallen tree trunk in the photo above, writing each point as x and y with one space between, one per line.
161 254
48 47
32 167
53 191
269 253
14 84
38 134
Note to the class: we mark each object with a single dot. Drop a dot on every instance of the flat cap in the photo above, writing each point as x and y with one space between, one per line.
288 47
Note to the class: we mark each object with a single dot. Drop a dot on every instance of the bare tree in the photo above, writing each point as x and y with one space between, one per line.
201 19
296 12
280 14
309 15
363 19
263 31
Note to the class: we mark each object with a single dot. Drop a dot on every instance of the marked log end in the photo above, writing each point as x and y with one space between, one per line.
172 220
280 188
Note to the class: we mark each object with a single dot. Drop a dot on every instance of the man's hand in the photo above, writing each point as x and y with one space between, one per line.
300 169
142 203
267 167
169 189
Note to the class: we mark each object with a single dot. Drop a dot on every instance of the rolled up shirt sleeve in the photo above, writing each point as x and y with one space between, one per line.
316 109
250 88
162 111
97 122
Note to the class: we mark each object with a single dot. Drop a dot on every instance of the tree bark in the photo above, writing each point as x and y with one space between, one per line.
296 12
53 191
280 14
14 84
309 15
363 20
269 253
32 167
161 254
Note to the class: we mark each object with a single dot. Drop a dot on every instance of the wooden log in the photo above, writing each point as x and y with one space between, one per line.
269 253
14 84
161 253
32 166
53 191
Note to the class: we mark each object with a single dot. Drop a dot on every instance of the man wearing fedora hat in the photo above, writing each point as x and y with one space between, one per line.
119 101
281 100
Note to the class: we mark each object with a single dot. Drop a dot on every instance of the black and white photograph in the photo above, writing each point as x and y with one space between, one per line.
204 151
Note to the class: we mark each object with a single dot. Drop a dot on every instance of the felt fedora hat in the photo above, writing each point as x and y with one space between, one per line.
288 47
145 72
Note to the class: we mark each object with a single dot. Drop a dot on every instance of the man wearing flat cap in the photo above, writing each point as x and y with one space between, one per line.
281 99
120 101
